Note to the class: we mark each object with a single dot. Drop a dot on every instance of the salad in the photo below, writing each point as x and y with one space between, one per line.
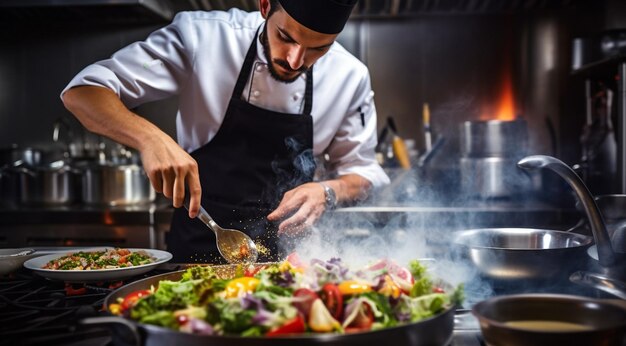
290 298
93 260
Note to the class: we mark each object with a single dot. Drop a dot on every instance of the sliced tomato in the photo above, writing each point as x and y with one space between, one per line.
295 260
123 259
131 299
363 320
332 298
293 326
308 296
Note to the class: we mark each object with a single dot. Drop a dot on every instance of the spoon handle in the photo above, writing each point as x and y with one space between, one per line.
203 215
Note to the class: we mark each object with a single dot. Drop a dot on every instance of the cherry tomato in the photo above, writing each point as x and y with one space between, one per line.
131 299
438 290
308 298
182 320
333 299
293 326
251 270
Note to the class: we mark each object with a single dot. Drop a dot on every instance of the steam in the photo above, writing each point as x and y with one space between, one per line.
300 171
360 238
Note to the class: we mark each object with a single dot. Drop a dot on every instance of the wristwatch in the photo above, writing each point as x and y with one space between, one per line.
330 196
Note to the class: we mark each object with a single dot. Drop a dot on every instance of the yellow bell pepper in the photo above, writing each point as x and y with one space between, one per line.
240 286
390 288
115 309
349 287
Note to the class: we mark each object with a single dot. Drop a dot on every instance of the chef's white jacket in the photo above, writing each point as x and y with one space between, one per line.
198 57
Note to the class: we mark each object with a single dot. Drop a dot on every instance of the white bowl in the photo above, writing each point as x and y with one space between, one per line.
12 259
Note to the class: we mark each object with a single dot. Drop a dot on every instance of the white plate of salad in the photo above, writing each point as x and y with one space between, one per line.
97 264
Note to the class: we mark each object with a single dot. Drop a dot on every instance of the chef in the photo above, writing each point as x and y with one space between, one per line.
260 95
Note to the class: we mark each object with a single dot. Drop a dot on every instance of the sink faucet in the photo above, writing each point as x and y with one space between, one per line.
606 255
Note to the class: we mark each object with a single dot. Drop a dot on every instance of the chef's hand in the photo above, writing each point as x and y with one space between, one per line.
306 202
169 167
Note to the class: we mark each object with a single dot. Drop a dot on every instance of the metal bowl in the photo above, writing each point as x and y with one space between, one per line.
12 259
504 320
523 253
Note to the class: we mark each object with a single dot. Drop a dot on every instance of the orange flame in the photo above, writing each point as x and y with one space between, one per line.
505 109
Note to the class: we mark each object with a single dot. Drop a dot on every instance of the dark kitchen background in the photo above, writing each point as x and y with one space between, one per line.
473 60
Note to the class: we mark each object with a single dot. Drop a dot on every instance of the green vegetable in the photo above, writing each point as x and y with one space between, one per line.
421 287
161 318
458 296
383 312
199 272
268 279
69 265
105 262
422 307
230 315
138 259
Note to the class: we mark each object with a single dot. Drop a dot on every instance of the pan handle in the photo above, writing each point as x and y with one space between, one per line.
600 282
102 320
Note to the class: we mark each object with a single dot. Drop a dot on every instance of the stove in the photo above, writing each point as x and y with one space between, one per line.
37 311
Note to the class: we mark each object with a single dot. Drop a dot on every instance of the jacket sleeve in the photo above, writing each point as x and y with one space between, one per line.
352 148
147 70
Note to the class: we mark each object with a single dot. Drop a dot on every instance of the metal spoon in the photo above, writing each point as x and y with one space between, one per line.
235 246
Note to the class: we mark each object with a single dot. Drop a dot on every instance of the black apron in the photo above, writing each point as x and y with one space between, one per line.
255 157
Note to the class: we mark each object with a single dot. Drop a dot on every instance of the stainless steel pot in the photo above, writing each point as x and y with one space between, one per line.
492 177
436 330
52 184
110 184
494 138
511 254
489 150
500 318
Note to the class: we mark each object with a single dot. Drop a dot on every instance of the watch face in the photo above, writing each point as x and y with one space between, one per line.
330 198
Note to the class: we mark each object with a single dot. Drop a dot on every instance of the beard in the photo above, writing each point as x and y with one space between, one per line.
282 63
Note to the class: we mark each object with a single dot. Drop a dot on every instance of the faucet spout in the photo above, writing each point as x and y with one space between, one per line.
606 255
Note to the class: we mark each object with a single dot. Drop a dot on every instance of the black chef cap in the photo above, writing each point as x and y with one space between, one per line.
325 16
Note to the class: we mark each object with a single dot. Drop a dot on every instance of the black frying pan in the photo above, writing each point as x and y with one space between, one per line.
435 331
605 322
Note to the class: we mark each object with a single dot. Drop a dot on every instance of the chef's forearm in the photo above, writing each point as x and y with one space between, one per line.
350 188
101 111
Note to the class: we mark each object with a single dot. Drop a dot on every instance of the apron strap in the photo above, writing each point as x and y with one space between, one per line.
308 92
244 73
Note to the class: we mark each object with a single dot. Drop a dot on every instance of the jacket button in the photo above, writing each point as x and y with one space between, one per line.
256 93
259 68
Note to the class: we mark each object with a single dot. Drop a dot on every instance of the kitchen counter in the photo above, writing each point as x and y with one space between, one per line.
145 225
523 213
